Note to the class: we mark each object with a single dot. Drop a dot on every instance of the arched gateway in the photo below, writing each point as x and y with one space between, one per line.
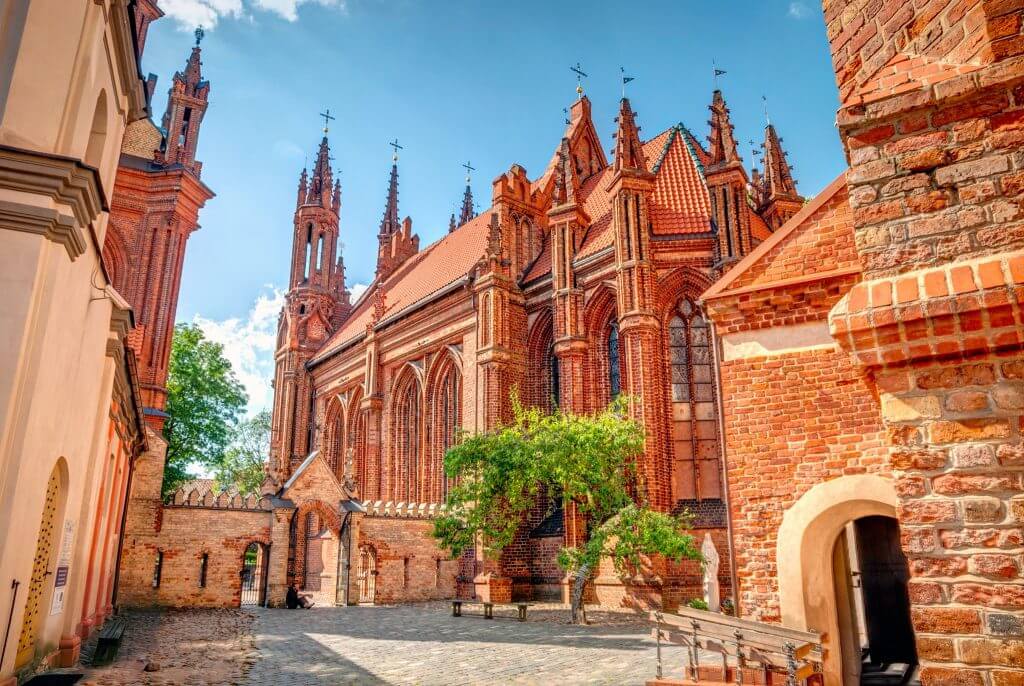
841 572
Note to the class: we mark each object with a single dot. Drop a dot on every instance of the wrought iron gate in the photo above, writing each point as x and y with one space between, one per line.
254 575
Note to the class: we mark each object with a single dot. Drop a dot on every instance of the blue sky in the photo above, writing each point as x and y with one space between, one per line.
453 80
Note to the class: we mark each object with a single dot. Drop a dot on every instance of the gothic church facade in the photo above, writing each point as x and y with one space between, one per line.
573 286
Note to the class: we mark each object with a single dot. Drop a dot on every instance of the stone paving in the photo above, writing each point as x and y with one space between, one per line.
411 644
426 645
194 647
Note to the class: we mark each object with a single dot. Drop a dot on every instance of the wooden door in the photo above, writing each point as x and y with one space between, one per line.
32 620
884 576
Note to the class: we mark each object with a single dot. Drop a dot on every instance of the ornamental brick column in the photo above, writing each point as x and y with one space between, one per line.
933 121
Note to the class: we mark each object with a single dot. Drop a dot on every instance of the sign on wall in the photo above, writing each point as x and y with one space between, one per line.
60 581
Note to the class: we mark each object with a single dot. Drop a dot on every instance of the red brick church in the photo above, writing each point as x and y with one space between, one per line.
834 389
576 284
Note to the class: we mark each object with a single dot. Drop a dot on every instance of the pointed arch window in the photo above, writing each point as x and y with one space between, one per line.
556 380
405 472
447 419
694 416
614 371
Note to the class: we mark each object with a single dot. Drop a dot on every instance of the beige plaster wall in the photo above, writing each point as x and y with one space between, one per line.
58 59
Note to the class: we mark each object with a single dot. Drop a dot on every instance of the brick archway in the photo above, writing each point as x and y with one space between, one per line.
332 522
809 530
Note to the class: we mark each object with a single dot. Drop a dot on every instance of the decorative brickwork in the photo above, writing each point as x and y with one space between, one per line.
933 100
154 209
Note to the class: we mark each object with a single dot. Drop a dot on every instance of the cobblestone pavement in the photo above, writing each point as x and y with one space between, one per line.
194 647
425 645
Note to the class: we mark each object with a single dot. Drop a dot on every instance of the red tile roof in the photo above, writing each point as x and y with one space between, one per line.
680 203
426 272
758 228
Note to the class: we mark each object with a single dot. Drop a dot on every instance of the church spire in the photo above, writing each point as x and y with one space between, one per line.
467 212
722 142
629 153
321 183
778 178
186 105
390 224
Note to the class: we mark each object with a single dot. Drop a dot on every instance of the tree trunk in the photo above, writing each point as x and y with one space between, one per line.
579 612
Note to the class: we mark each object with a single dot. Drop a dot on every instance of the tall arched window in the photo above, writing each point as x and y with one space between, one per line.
556 380
614 371
405 471
694 417
447 419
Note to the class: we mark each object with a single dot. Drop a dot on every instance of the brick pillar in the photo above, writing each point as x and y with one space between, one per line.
933 121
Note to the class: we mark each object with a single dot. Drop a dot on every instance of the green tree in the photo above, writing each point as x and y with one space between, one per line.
204 399
589 459
242 466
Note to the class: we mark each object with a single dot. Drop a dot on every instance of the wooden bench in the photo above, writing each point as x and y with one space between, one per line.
489 608
109 640
742 644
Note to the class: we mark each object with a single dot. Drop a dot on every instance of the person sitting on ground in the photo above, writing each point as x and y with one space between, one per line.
294 599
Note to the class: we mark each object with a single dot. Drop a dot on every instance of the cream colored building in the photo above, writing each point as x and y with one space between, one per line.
70 421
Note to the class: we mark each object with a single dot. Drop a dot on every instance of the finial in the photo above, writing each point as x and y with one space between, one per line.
469 168
394 144
327 118
625 80
716 73
764 102
580 74
199 34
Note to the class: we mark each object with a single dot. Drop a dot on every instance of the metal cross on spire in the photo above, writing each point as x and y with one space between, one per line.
580 75
199 34
469 168
327 119
394 144
625 80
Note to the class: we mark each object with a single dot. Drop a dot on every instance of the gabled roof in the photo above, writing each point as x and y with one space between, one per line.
741 274
679 204
428 271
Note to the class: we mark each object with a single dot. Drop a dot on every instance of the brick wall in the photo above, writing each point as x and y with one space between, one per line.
186 535
933 121
410 565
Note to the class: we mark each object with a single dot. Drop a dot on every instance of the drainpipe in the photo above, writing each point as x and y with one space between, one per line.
120 536
344 539
725 469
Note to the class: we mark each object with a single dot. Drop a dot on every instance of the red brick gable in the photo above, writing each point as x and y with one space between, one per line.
679 204
817 240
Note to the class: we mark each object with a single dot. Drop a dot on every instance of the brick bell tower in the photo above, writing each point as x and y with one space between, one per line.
315 305
155 207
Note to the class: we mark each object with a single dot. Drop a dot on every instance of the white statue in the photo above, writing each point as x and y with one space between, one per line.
711 560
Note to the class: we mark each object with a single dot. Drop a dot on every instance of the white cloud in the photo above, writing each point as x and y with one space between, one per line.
192 13
288 149
249 345
289 8
799 10
357 290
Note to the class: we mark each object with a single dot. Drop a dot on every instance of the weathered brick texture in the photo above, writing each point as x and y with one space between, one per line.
933 105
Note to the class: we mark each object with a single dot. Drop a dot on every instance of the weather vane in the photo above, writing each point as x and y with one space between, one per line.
625 80
764 102
717 72
580 75
394 144
469 168
199 35
327 119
